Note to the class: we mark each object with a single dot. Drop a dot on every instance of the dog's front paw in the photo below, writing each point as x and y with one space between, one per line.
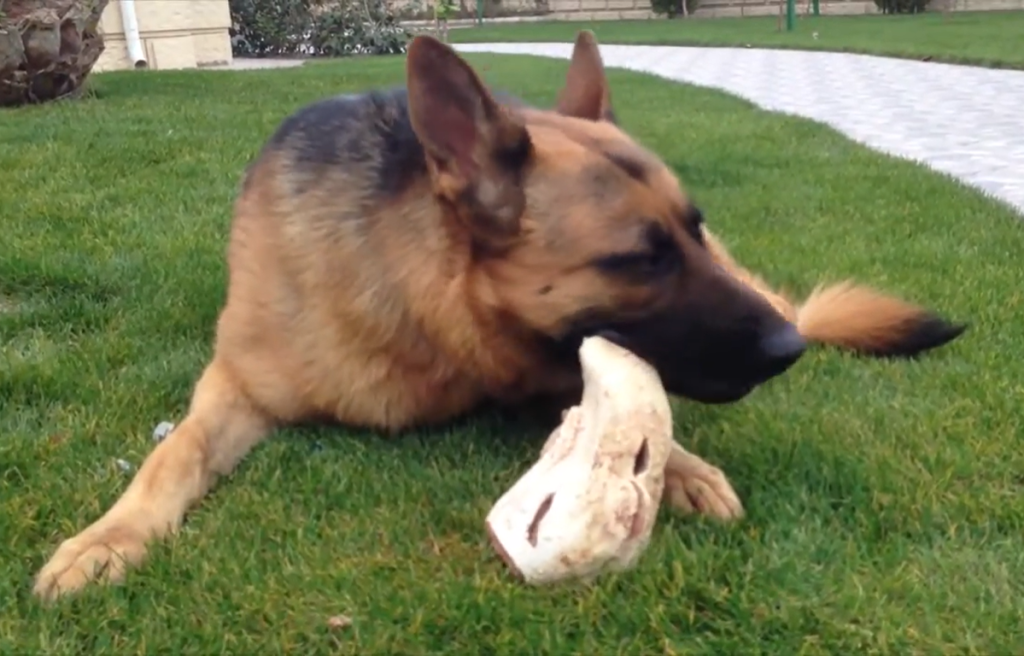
694 486
100 553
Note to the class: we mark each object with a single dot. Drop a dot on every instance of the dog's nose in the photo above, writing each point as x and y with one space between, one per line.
781 348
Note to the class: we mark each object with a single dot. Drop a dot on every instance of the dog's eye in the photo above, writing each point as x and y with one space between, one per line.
646 265
693 223
660 260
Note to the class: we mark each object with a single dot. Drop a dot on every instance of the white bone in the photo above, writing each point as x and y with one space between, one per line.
589 503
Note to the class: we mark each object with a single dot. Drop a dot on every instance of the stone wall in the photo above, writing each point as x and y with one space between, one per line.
418 10
738 8
600 9
584 10
977 5
515 11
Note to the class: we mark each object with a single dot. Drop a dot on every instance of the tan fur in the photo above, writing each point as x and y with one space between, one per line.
845 314
221 427
778 300
855 317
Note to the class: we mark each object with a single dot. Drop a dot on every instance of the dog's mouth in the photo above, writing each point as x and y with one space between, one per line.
713 392
710 391
615 337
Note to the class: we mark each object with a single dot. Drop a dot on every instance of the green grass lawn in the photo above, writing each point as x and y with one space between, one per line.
984 38
885 499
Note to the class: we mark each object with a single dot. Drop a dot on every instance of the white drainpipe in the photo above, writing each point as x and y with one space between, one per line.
131 34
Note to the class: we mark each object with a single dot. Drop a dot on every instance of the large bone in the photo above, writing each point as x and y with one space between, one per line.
589 503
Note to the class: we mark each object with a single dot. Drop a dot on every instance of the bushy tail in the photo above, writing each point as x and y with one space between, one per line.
850 316
869 322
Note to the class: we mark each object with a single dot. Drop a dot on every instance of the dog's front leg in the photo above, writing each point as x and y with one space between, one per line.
694 486
221 427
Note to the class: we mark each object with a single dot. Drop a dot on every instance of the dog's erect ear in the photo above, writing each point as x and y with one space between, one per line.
476 150
586 93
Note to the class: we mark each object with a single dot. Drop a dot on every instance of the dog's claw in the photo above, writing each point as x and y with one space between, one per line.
701 488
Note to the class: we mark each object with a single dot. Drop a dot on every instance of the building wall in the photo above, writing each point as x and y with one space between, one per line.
601 9
174 34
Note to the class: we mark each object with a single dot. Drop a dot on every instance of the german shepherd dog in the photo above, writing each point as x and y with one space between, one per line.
398 258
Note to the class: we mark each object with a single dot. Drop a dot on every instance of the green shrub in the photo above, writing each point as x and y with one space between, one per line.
358 28
263 28
445 9
335 28
673 8
901 6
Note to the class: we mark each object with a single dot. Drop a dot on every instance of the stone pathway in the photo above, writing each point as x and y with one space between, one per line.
961 120
257 64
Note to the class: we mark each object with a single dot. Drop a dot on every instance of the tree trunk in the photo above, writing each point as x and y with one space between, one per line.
47 48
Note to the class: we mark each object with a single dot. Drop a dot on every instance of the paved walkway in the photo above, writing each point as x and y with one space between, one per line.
257 64
961 120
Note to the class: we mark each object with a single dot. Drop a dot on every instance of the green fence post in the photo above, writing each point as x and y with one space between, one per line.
814 7
480 12
790 15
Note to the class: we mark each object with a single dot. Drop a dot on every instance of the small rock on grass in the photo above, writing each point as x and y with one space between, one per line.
162 430
160 433
339 622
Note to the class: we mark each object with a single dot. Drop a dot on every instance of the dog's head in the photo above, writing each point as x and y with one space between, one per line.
575 229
